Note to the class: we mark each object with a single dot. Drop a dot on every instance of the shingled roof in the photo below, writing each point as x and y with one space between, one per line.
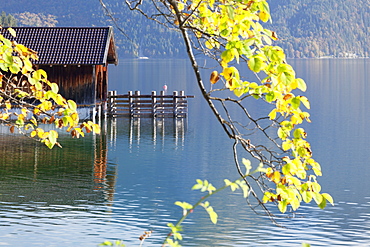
68 45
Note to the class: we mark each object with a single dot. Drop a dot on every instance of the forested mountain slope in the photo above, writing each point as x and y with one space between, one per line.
306 28
316 28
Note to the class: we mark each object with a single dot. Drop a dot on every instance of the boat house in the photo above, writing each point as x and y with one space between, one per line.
76 58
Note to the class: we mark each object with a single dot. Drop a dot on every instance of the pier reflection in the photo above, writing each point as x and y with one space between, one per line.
159 130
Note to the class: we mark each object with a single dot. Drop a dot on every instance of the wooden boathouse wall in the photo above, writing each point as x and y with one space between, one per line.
85 84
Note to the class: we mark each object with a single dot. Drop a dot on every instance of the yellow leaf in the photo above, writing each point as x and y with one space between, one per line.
276 177
8 105
33 133
272 114
301 84
328 198
264 16
238 92
286 145
12 32
96 128
305 101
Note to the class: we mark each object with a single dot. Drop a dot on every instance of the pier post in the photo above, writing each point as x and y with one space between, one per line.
154 103
137 102
182 109
162 103
174 101
131 107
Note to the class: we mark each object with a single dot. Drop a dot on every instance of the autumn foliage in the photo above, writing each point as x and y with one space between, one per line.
28 101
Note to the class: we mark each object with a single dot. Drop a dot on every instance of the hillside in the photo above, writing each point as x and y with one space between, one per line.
318 28
306 28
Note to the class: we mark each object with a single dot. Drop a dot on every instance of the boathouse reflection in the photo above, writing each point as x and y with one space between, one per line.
80 172
31 172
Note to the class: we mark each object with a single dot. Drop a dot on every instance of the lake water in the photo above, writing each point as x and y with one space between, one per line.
124 182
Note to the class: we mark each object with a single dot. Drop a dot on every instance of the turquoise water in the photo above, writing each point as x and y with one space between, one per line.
124 182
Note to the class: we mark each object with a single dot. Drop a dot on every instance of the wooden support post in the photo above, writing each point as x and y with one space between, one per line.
130 102
182 109
154 103
162 104
109 103
174 102
137 103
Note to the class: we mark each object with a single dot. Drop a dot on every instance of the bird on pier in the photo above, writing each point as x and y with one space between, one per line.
165 88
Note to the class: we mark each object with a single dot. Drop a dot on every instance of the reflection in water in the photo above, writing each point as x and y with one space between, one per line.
157 128
124 182
73 189
30 167
42 190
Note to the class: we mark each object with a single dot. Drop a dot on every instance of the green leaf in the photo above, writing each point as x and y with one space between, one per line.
14 68
322 205
306 245
230 11
270 96
7 42
8 58
328 198
256 64
282 134
227 56
299 133
282 206
307 196
296 102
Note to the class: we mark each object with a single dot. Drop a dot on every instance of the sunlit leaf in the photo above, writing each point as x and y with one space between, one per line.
72 105
270 96
295 102
214 77
307 196
248 165
282 205
305 101
256 63
272 114
328 198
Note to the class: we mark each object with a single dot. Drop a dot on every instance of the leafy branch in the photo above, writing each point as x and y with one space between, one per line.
28 98
205 186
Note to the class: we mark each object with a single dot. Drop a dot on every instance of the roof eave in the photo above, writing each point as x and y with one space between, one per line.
110 53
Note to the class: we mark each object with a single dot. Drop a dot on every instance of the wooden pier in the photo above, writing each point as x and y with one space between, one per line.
153 105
